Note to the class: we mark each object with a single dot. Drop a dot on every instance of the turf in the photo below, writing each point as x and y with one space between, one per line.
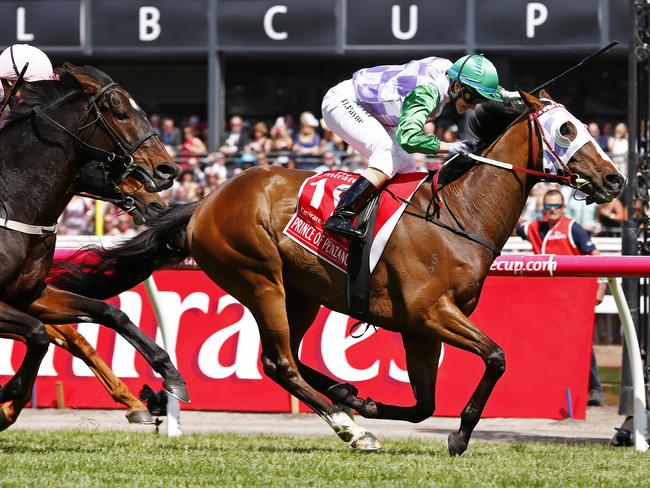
83 459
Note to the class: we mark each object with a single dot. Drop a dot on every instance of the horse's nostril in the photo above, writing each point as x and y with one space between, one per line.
614 181
167 170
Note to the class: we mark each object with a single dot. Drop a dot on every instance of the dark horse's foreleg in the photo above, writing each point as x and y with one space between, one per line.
449 323
67 337
31 331
57 306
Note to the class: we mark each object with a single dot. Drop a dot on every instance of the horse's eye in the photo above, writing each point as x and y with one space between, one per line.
564 129
121 115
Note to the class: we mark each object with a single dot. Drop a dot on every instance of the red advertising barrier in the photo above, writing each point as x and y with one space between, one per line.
544 326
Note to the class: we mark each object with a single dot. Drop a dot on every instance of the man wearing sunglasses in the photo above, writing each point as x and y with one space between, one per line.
557 234
381 112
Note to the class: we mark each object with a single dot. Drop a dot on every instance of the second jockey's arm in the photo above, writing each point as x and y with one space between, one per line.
417 108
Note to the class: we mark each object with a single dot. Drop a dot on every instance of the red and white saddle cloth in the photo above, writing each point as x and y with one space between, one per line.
318 198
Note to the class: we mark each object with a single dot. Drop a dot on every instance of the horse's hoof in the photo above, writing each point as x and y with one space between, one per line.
177 390
341 391
455 446
366 442
140 417
5 422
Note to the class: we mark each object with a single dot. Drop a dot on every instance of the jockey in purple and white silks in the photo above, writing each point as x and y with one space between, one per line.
381 112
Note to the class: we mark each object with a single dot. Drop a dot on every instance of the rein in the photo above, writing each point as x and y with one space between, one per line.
428 216
109 157
535 132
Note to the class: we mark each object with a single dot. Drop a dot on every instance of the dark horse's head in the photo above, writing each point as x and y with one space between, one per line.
118 151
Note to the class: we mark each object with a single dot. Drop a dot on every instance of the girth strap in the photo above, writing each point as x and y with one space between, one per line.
37 230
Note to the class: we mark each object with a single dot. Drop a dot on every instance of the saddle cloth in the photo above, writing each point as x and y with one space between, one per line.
317 199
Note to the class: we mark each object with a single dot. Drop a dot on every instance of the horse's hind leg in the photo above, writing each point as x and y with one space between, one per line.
56 306
67 337
280 365
454 328
262 292
301 313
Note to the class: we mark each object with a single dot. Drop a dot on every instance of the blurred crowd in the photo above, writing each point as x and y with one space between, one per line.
307 143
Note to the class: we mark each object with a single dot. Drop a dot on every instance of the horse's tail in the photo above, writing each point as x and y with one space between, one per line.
105 272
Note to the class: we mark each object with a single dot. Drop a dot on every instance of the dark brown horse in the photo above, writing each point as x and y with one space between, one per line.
55 132
235 236
131 196
67 337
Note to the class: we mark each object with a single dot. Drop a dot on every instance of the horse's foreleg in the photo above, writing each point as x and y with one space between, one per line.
17 390
67 337
422 354
455 329
422 363
57 306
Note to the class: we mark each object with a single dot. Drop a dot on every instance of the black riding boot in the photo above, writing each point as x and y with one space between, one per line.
351 203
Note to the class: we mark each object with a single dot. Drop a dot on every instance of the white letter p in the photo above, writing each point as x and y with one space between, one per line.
536 15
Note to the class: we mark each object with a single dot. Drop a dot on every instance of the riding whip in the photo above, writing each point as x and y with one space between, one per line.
14 88
591 56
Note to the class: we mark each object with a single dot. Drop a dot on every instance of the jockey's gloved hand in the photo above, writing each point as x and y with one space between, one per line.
459 147
511 98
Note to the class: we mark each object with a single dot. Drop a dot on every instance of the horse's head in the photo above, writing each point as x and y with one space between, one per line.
569 148
121 127
130 194
138 202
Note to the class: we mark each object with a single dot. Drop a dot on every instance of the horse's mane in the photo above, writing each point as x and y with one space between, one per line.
50 92
488 122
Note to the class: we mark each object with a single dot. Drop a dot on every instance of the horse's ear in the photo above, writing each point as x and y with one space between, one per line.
531 101
90 84
544 94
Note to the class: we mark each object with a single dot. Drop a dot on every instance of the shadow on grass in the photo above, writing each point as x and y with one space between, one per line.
512 436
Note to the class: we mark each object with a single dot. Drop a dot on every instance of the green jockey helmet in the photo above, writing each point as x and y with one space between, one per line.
478 73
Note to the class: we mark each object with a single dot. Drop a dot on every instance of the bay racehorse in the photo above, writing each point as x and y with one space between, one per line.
235 235
57 132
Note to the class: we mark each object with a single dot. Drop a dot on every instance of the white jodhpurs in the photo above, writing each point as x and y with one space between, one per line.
345 116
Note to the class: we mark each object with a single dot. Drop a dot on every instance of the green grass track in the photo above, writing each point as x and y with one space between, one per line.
80 459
